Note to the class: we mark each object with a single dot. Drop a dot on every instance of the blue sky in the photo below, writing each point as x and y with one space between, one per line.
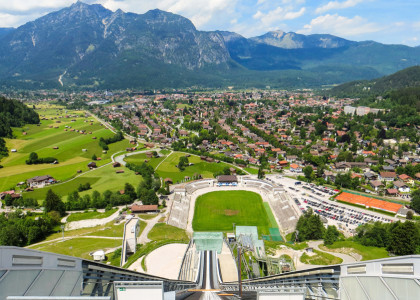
385 21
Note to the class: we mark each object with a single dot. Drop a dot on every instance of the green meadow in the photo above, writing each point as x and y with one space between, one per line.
141 158
53 133
168 168
101 179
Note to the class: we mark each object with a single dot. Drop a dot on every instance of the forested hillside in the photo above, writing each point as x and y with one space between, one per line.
13 114
403 79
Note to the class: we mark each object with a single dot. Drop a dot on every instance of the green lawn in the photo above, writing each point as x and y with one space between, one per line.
168 168
217 211
111 231
147 216
79 247
90 215
252 171
161 231
320 258
367 253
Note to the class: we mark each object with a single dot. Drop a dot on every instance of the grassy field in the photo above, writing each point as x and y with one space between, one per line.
100 179
79 247
42 139
168 168
90 215
141 157
367 253
252 171
217 211
161 231
320 258
147 216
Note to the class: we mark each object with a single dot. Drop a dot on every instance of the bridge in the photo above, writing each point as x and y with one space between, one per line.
31 274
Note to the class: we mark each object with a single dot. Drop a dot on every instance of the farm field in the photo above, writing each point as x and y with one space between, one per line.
168 168
101 179
50 134
217 211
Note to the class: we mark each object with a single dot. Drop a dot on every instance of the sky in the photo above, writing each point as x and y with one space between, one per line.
385 21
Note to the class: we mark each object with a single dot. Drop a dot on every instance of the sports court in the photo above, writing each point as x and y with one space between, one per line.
369 202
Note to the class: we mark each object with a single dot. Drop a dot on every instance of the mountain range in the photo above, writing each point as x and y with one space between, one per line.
88 46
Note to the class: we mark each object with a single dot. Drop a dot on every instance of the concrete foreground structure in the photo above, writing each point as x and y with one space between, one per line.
30 274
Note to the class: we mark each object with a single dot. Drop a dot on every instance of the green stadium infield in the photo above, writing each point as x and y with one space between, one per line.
218 211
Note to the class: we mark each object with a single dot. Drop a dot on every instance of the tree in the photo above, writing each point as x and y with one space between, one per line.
260 173
151 198
130 191
310 227
53 202
8 200
33 157
308 170
409 215
183 162
331 235
415 200
94 157
404 239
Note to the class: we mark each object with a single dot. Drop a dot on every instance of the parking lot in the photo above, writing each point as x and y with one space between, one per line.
345 217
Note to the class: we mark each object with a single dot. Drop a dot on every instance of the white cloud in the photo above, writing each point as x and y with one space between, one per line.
29 6
278 15
8 20
200 12
339 25
337 5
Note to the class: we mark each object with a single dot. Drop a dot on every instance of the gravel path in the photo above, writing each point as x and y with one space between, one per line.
143 239
93 222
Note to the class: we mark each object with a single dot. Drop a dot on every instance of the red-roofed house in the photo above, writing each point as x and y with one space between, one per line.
295 168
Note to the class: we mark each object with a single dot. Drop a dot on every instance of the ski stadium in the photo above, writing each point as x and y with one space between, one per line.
212 265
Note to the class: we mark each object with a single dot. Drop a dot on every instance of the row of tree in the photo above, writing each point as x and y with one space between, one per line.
399 238
13 113
34 159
